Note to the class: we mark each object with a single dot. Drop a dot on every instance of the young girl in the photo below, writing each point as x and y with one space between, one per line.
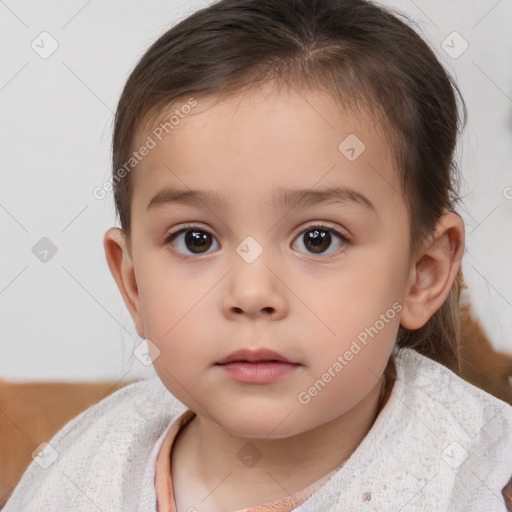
284 178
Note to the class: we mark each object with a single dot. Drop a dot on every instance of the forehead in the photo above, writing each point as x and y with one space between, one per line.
253 143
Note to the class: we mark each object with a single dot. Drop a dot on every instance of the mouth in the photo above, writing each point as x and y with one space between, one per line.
257 367
254 356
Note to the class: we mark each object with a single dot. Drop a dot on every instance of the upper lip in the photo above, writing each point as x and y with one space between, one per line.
253 356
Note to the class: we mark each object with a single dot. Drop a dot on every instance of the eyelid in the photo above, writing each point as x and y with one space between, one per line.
321 225
188 226
327 226
345 241
185 227
313 224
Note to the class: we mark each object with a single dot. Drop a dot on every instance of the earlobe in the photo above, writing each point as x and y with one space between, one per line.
121 267
435 269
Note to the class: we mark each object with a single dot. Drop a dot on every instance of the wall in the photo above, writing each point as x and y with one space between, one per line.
63 318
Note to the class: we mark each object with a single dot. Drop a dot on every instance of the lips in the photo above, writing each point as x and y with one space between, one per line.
261 366
254 356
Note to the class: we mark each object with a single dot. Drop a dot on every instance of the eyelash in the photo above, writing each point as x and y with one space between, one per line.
315 225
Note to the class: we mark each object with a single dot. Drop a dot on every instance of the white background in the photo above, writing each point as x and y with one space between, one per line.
65 319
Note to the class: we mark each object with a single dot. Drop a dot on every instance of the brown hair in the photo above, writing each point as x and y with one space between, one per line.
362 54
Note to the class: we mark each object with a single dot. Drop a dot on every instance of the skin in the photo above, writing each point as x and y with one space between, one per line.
198 308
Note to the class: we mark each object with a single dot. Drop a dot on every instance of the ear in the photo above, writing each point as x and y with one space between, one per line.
119 259
434 270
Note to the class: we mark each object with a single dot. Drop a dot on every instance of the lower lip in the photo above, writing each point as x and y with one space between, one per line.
259 373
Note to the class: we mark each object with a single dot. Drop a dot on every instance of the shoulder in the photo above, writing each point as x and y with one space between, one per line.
145 403
141 410
149 398
105 453
432 384
439 443
463 432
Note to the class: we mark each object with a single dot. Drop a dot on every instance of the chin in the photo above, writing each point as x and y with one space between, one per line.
256 431
258 425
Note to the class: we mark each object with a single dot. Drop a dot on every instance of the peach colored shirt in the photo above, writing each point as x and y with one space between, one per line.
163 478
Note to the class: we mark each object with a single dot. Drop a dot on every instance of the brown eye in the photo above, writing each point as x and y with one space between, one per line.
318 239
196 241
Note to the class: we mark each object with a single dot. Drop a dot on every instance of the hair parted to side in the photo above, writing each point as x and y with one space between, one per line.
360 53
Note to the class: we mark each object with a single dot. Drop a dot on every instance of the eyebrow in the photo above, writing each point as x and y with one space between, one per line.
281 198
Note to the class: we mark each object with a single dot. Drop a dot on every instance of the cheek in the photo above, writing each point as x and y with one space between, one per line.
355 299
360 315
164 312
176 328
340 387
165 294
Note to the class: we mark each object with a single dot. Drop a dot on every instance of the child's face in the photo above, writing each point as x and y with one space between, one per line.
330 306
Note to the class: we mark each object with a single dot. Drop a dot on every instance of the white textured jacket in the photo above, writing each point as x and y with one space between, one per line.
439 444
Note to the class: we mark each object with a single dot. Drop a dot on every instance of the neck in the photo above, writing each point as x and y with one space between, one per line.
212 454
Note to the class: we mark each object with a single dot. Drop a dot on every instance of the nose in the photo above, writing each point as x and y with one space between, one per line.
254 290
